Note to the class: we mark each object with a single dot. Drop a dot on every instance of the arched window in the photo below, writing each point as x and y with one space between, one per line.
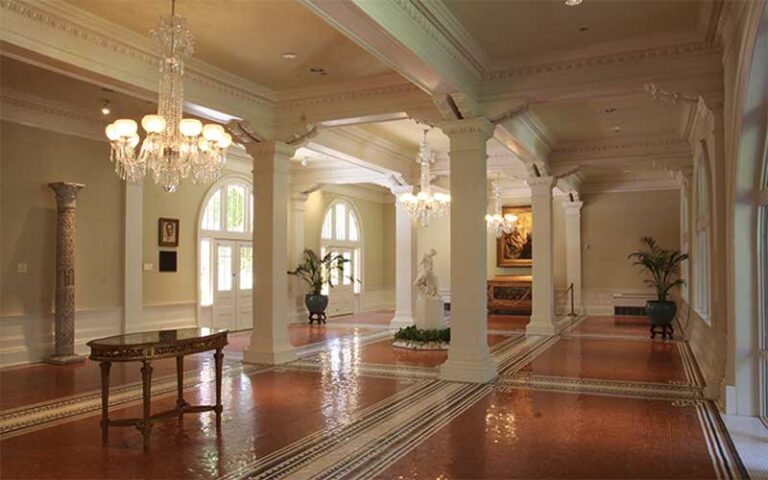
341 235
226 253
702 243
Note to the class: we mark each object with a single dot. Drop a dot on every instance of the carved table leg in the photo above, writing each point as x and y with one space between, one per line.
145 426
105 401
219 357
180 402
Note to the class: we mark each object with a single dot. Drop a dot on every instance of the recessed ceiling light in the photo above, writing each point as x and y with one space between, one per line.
289 55
616 129
304 162
583 29
318 71
105 110
610 109
572 3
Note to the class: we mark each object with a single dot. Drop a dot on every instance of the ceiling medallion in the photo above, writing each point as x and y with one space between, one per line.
425 206
498 224
174 147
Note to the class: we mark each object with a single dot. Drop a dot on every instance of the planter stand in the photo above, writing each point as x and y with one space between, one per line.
666 331
317 316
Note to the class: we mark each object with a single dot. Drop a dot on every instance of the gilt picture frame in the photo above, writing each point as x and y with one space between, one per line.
516 249
168 232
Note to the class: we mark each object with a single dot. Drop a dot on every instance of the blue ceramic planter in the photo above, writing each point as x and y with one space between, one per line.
661 313
316 303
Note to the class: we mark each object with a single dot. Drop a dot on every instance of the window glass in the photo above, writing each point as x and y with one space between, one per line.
354 231
235 208
224 253
246 267
250 213
357 285
327 226
341 222
212 213
206 281
347 278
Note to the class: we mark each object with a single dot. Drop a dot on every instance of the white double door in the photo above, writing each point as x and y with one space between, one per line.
233 284
341 298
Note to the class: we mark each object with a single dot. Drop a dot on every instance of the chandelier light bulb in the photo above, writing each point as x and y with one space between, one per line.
125 127
225 141
213 132
573 3
153 124
203 145
190 127
111 132
133 140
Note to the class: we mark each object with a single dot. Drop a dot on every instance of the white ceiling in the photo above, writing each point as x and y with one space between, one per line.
247 38
510 30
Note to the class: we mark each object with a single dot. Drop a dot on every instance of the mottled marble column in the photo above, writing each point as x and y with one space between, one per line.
66 194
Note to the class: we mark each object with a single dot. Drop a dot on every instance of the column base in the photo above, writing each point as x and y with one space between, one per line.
542 327
401 321
269 358
469 372
65 359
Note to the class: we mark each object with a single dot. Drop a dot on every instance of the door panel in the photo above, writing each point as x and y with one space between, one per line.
224 285
244 300
341 299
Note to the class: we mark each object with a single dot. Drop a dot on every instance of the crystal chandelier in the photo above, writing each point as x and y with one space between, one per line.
498 224
425 205
174 147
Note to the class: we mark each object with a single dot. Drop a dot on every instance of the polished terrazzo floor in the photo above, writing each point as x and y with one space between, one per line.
601 400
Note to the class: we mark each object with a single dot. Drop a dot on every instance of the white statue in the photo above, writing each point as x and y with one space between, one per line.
426 282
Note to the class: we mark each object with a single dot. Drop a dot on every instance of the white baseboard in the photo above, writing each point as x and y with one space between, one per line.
29 338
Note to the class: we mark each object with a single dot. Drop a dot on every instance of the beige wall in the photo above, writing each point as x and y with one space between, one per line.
30 158
378 228
611 228
184 205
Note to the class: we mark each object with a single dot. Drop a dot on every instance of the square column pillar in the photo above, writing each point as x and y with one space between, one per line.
469 359
269 339
296 290
405 263
573 253
543 319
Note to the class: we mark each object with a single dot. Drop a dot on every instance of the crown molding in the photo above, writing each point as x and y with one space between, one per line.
635 183
621 146
607 59
369 193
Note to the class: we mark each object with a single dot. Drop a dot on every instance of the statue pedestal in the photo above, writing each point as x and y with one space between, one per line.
429 313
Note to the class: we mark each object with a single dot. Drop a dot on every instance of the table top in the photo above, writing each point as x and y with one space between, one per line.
158 343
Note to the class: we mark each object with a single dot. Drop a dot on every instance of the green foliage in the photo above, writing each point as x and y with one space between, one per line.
315 271
416 335
661 264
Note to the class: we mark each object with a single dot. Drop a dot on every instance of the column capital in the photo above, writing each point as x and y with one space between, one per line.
298 199
66 192
271 155
400 189
573 207
476 128
541 185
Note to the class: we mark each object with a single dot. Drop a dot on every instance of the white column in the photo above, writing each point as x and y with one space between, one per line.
543 319
269 340
469 359
133 294
405 263
296 291
573 253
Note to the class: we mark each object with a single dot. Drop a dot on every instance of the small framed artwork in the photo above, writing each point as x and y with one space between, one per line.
516 249
168 232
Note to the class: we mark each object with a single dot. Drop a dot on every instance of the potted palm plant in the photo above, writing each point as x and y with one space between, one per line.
662 265
316 272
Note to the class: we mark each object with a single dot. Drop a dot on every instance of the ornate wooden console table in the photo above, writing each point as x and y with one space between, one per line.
145 347
510 293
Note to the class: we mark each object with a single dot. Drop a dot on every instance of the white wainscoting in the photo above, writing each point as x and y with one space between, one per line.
30 338
707 348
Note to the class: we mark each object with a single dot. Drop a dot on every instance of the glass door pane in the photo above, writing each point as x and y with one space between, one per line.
224 265
246 267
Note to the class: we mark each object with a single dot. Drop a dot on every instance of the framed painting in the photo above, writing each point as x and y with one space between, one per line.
516 249
168 232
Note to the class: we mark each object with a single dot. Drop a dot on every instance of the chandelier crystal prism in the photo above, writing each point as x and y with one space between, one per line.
497 223
174 147
425 206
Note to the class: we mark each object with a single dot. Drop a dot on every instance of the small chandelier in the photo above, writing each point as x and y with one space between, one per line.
425 206
498 224
174 147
